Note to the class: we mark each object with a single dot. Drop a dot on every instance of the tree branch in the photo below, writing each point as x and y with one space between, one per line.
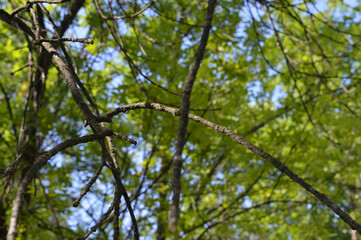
183 120
16 23
279 165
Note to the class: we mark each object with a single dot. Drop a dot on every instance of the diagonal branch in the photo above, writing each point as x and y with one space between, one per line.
279 165
16 23
183 120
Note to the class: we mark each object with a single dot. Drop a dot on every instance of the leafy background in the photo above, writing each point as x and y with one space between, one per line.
283 74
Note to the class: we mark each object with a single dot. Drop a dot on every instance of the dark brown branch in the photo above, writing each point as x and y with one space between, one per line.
183 120
18 70
279 165
116 215
71 82
16 23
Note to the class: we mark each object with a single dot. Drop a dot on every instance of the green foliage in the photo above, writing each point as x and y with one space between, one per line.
285 68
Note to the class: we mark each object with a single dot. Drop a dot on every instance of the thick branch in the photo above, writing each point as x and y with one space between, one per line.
16 23
71 82
183 120
280 166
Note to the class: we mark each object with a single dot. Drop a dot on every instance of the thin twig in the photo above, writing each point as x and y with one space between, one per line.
133 15
7 99
88 186
120 186
100 222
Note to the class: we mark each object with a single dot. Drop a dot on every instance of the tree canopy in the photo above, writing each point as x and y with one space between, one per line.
180 119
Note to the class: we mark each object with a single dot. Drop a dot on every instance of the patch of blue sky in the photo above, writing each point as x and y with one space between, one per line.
240 189
247 202
277 95
89 201
339 14
254 89
351 3
57 161
317 6
187 43
219 179
346 81
81 217
255 92
117 81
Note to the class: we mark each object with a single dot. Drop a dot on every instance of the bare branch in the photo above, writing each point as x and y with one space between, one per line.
81 40
125 138
7 99
88 186
100 222
183 120
279 165
16 23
